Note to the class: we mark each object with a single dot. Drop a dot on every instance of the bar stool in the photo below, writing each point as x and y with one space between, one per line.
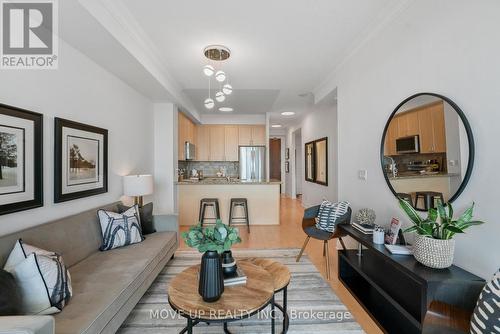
429 198
212 202
406 197
243 203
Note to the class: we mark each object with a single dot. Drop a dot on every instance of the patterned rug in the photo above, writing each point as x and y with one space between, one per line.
312 305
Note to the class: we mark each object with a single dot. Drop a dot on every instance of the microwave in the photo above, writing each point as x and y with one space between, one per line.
408 145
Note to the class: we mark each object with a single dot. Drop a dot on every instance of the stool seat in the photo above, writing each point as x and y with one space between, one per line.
243 219
429 198
208 202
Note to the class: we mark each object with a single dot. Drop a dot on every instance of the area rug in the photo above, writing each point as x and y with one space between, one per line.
313 306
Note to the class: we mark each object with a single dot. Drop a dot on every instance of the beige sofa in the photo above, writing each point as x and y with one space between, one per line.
106 285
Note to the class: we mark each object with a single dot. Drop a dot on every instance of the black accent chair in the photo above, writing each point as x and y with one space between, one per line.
309 227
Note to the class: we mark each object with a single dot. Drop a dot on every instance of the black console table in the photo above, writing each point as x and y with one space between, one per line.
396 290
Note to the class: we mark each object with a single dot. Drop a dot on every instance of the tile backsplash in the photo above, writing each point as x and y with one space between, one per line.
210 168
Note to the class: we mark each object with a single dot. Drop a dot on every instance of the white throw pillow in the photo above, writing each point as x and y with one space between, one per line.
120 229
42 278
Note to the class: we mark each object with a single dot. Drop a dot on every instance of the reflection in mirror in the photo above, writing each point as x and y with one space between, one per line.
309 162
321 161
426 150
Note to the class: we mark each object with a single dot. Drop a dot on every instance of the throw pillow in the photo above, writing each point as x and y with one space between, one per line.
146 215
120 229
43 280
329 213
10 298
485 318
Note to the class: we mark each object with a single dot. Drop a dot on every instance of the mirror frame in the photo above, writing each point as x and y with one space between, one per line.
470 140
313 163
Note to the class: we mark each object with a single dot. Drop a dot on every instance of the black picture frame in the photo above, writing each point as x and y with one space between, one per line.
37 159
314 172
470 140
59 124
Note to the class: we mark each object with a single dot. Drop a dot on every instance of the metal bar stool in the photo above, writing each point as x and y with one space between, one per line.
429 198
212 202
406 197
243 203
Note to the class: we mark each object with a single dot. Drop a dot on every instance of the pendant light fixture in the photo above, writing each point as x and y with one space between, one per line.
220 76
209 102
227 89
216 53
208 70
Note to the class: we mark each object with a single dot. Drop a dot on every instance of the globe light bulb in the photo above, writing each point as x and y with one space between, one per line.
220 76
209 103
208 70
220 97
227 89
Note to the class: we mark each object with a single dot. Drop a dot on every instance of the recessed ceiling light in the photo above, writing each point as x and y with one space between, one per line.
288 113
225 109
276 126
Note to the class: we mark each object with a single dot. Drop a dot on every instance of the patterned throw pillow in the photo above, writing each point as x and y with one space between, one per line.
120 229
486 317
329 213
42 278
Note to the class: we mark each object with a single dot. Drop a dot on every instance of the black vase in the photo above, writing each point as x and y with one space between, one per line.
228 264
211 279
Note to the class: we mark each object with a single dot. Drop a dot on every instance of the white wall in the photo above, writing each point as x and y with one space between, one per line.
81 91
447 47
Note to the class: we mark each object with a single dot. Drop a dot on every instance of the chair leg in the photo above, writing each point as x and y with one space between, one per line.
324 249
302 250
327 261
342 243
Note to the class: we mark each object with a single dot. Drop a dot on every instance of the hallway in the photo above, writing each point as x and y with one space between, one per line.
289 234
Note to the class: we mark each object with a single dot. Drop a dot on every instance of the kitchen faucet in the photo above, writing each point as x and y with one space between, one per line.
392 166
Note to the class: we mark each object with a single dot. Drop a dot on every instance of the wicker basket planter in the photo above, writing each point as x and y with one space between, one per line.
434 253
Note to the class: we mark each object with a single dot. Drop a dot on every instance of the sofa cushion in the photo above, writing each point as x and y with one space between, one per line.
103 282
10 298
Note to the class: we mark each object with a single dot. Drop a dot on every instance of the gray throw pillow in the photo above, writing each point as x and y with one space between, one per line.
146 215
10 298
329 213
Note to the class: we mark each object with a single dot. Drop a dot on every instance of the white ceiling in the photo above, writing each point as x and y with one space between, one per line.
280 49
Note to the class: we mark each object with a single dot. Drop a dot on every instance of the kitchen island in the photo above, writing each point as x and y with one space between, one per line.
263 199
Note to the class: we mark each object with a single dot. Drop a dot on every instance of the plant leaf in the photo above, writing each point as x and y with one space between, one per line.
450 210
410 212
453 229
433 215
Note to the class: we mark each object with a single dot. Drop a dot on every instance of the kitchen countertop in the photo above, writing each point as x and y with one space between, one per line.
224 181
419 176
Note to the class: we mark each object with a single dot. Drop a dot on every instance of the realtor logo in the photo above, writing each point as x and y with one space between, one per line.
29 34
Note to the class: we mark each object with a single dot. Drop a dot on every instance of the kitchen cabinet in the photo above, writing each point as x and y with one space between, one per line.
251 135
217 143
231 142
186 133
203 143
432 128
245 135
408 124
258 135
391 136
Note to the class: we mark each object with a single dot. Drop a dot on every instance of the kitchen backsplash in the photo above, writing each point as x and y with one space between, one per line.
210 168
404 159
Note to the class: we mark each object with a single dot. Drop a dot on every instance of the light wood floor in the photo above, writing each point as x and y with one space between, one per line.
289 234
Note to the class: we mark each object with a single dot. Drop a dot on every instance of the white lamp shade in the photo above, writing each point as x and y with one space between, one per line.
138 185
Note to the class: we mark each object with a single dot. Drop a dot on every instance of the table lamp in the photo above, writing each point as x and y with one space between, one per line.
138 186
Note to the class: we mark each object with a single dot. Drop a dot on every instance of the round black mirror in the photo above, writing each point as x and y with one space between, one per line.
427 150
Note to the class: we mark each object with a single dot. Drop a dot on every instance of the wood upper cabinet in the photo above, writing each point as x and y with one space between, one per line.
217 143
245 135
258 135
231 136
186 133
408 124
391 136
203 143
432 128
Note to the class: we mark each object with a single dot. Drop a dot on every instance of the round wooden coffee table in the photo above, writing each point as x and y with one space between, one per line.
236 303
281 278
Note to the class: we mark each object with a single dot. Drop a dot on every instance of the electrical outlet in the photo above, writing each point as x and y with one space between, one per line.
363 174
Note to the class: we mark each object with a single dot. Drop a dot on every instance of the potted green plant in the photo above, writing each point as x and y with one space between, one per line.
434 243
212 241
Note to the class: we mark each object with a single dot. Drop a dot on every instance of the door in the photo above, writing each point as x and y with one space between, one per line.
217 143
231 143
203 143
275 158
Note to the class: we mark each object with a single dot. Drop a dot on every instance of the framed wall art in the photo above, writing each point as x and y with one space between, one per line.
81 160
21 159
316 161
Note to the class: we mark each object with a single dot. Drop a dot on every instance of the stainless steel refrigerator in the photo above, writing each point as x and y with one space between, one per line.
252 163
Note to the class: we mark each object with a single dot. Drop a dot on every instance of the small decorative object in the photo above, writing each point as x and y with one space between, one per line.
212 241
378 235
366 216
392 234
434 243
138 186
81 160
21 160
228 264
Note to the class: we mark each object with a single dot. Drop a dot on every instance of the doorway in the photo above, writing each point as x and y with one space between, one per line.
275 159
